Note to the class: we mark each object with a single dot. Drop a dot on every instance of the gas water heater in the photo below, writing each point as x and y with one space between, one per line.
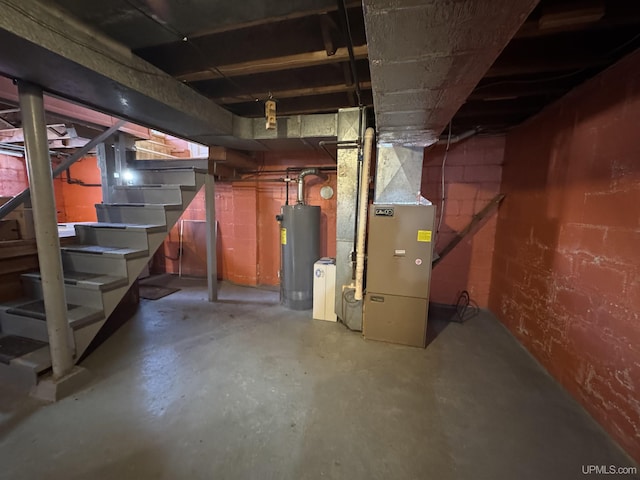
300 249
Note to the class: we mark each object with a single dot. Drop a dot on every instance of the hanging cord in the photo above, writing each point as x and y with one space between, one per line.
444 161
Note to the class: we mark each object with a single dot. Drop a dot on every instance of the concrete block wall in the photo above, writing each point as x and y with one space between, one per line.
248 234
13 175
472 178
566 271
74 202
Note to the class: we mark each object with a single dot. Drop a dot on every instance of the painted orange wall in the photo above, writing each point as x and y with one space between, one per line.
13 176
76 203
248 233
566 273
472 178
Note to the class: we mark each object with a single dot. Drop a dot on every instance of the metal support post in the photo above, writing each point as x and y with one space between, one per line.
212 262
46 226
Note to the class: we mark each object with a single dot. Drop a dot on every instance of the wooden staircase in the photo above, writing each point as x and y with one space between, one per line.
98 269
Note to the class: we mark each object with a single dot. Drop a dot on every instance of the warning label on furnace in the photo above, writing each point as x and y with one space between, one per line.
424 235
283 236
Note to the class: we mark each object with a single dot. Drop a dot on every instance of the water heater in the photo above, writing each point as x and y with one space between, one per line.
300 248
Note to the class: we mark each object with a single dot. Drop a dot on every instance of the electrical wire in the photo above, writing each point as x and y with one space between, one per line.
184 38
444 161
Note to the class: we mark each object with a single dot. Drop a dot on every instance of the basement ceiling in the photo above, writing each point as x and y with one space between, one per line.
239 54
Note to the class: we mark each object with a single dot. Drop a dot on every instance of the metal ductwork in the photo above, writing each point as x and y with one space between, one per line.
399 174
426 57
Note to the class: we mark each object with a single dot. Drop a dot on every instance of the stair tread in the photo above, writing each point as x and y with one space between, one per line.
171 169
94 281
13 346
154 186
38 360
125 226
108 251
77 315
165 206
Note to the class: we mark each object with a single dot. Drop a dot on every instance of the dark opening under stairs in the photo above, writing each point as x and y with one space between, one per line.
107 257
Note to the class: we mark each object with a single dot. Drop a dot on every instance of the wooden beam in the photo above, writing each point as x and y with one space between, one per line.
230 158
293 93
16 135
300 60
477 218
268 20
328 27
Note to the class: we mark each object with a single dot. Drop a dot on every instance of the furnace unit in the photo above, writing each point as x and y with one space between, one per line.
399 255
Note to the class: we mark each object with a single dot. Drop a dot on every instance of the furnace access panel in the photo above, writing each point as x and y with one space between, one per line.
399 256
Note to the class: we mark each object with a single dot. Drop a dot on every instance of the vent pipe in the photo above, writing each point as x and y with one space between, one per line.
304 173
362 214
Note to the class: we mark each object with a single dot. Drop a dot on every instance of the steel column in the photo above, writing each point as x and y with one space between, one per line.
46 226
212 230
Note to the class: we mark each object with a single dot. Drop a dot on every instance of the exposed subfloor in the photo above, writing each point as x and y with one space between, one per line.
247 389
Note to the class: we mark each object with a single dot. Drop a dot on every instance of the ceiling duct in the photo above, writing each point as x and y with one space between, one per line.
427 56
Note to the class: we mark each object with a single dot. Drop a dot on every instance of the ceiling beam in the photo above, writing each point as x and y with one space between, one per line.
298 106
287 62
229 157
72 112
563 52
41 45
16 135
503 90
294 92
249 85
267 20
274 40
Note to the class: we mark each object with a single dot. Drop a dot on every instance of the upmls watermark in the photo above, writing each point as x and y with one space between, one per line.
608 470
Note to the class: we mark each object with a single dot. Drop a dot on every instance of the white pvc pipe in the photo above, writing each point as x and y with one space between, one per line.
362 214
46 226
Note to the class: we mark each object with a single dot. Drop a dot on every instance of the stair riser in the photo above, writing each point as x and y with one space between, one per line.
138 215
74 295
113 237
167 177
153 195
24 326
82 262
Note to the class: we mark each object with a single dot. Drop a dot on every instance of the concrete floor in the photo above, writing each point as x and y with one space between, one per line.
246 389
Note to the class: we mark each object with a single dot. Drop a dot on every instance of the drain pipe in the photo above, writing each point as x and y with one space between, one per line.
363 206
301 175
